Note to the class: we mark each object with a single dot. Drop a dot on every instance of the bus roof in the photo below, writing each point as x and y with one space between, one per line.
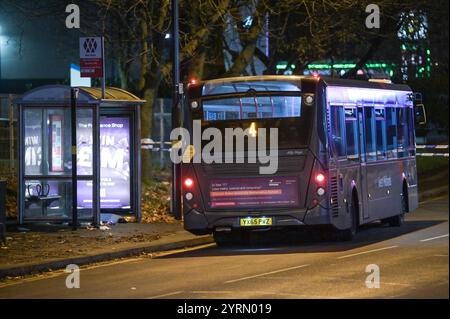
328 81
365 84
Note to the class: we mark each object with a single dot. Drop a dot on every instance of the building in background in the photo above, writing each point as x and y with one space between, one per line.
416 59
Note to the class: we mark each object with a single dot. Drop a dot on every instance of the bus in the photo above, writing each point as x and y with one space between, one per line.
345 154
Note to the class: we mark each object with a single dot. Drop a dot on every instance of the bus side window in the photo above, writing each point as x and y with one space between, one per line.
380 126
337 134
391 133
351 134
369 133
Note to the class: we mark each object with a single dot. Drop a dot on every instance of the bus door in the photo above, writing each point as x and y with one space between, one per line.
364 196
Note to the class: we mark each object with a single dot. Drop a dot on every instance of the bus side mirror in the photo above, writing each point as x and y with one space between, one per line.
420 115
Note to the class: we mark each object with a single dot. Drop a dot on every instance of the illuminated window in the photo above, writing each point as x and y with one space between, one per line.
351 130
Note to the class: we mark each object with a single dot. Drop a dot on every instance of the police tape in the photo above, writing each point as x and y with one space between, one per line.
432 154
432 147
436 147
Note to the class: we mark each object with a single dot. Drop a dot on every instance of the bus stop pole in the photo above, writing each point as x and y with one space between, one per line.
103 68
73 126
96 165
176 168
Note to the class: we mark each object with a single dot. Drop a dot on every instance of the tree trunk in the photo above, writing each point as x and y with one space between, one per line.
146 132
147 108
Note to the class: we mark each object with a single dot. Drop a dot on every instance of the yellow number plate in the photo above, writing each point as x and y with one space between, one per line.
257 221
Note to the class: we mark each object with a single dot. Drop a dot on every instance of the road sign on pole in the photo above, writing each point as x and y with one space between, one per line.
91 57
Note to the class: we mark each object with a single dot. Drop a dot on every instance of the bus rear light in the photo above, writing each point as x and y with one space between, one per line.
320 178
314 203
188 182
189 196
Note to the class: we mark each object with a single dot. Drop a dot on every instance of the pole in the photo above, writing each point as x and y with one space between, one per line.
73 127
96 165
103 69
176 168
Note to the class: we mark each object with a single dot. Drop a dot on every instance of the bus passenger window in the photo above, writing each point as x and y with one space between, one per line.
337 129
351 134
380 126
369 134
391 133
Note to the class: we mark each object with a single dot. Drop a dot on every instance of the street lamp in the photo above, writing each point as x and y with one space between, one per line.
176 168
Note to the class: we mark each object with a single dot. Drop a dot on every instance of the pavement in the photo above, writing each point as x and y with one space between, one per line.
411 261
43 247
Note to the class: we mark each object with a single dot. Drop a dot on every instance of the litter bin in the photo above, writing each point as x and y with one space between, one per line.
2 210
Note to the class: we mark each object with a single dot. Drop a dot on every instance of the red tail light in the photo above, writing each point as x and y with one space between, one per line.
320 178
188 182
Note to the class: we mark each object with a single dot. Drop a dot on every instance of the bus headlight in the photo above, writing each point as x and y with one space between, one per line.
320 191
189 196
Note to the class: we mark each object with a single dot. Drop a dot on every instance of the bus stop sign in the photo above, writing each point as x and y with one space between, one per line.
91 57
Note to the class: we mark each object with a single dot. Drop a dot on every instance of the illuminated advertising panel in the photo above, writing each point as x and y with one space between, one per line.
56 158
254 192
114 163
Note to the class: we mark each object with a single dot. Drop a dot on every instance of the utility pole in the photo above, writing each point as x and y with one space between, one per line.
176 168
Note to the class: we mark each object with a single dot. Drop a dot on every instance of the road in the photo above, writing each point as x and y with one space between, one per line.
412 260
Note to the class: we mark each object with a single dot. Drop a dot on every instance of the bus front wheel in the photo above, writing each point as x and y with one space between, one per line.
399 220
350 233
396 221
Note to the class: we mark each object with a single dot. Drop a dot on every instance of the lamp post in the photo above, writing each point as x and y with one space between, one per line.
176 168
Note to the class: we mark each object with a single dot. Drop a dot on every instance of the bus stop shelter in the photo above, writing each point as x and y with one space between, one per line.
107 148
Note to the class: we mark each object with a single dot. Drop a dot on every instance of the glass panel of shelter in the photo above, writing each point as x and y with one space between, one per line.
48 162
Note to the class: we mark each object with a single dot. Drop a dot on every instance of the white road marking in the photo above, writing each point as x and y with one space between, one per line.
433 238
166 295
265 274
213 292
367 252
359 280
